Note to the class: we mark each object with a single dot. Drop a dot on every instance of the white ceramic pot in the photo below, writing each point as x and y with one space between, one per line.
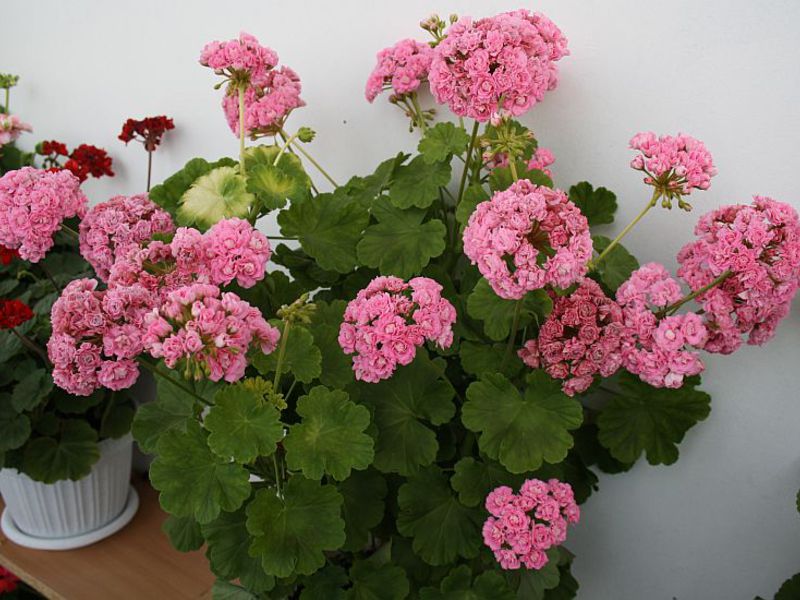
67 509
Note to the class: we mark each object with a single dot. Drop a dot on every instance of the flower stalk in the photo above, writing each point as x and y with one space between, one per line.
653 200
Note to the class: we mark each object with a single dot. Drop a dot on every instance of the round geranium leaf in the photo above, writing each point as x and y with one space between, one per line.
291 534
217 195
194 481
69 454
330 437
522 431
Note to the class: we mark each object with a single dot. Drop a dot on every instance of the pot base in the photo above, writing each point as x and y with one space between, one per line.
13 533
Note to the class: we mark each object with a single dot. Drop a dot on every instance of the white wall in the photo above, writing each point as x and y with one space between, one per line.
720 523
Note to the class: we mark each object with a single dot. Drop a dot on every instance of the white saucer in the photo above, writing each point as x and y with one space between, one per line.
14 534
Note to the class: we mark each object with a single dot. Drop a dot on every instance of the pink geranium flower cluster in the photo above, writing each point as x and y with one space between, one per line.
580 338
402 68
674 165
542 158
239 56
388 319
524 526
208 331
267 105
507 235
11 127
270 94
97 336
33 204
114 228
500 64
659 351
759 245
232 250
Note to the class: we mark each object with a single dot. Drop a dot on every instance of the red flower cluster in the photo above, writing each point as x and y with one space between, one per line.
7 255
88 160
8 581
54 148
149 131
14 313
83 161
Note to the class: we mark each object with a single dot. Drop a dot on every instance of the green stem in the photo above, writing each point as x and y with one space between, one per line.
672 308
291 389
285 148
513 334
281 355
319 168
624 232
277 475
70 231
241 130
418 110
8 100
281 237
149 167
513 168
31 345
50 277
156 371
467 161
109 405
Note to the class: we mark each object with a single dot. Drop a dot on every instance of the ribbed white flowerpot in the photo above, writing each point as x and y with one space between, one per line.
71 508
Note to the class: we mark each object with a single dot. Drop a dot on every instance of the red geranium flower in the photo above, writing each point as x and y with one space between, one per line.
7 255
88 160
8 581
54 147
14 313
149 131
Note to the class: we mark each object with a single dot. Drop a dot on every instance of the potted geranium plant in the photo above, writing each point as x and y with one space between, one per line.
417 408
65 456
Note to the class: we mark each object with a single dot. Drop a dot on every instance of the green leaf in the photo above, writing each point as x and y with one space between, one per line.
400 243
302 358
224 590
597 205
116 422
168 194
459 585
307 274
242 425
363 508
400 407
291 534
497 314
75 405
228 552
442 528
473 195
171 410
790 590
521 431
326 583
567 588
501 178
330 437
532 584
70 455
328 227
31 390
478 358
642 418
474 479
274 184
441 141
15 428
193 481
184 533
365 190
219 194
617 266
372 581
336 367
418 182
